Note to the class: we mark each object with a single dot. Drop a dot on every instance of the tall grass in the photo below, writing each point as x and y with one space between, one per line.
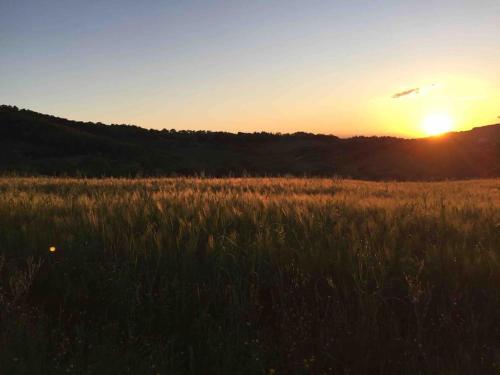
249 276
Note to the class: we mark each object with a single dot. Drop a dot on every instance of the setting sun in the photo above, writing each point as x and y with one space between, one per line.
437 124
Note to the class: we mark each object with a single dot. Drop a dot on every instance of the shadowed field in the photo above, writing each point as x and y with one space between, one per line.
249 276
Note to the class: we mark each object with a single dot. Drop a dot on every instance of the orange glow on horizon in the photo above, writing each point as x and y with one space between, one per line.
437 124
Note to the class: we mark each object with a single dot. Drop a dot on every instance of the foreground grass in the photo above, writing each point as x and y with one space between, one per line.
249 276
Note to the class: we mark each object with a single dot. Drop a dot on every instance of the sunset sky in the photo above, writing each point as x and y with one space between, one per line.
403 68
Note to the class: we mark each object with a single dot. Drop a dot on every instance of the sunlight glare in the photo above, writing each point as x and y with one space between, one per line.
437 124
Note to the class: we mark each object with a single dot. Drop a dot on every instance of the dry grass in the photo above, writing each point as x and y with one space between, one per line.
254 275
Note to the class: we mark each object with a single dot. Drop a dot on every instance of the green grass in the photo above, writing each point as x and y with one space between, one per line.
249 276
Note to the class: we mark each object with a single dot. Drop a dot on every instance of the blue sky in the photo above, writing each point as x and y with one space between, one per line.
318 66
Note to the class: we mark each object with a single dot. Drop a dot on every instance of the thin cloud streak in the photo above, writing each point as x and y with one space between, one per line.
397 95
423 90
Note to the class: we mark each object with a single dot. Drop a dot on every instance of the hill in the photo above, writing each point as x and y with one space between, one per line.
35 143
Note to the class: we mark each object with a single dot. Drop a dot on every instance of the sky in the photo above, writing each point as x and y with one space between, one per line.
335 67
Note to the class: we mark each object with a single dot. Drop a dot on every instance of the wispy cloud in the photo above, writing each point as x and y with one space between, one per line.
397 95
423 90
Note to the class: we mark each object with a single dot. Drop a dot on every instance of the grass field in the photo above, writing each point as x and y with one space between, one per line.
249 276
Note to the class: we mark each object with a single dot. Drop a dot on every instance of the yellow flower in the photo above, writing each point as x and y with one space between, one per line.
52 249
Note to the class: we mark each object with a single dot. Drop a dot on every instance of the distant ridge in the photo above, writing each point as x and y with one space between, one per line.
36 144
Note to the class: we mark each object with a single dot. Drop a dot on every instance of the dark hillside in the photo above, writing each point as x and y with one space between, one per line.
34 143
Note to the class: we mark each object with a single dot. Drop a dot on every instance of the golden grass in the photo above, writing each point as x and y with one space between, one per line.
243 275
